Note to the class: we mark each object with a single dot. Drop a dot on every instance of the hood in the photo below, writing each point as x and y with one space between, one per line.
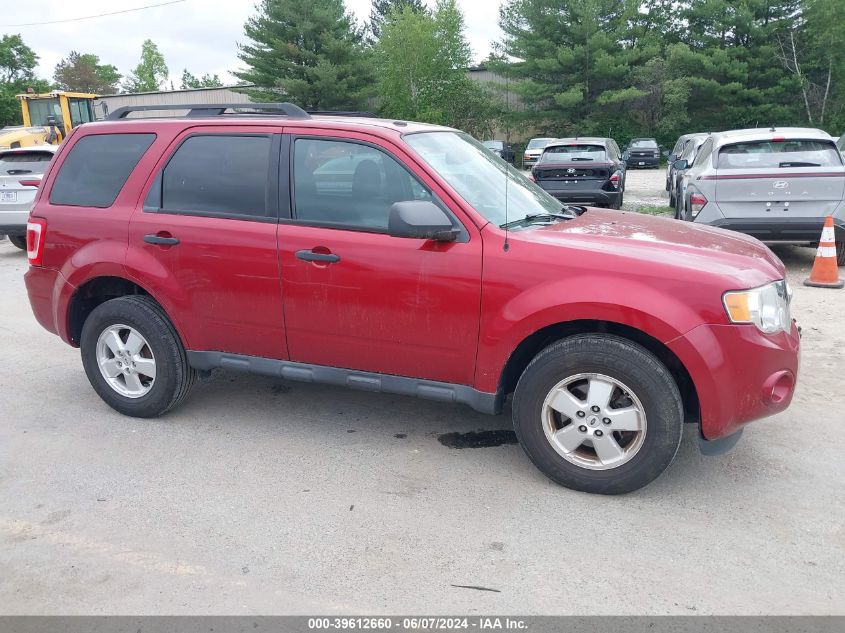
684 248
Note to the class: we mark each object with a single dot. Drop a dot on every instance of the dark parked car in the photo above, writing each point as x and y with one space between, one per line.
643 152
582 170
501 148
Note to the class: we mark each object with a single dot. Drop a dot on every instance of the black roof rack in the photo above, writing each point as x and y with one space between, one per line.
215 109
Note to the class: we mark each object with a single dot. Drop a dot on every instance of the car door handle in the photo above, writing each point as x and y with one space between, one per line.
311 256
161 240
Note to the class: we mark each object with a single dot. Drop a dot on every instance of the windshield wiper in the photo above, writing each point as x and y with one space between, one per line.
533 218
798 164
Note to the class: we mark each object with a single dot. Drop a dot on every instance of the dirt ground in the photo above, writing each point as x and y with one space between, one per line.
259 496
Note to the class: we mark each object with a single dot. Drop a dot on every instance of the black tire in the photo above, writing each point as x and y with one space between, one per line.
840 253
174 376
19 241
619 201
621 360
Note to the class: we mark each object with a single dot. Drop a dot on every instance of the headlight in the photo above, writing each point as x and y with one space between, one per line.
767 307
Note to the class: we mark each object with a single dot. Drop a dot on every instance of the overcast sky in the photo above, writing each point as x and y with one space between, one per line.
200 35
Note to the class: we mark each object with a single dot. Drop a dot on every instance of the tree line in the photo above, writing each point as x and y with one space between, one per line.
620 68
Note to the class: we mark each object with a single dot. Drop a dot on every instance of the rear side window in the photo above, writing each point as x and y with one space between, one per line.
573 153
22 163
95 170
704 153
220 174
777 154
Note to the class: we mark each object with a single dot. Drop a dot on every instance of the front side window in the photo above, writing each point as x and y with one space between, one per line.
777 154
495 189
573 152
97 167
349 184
219 174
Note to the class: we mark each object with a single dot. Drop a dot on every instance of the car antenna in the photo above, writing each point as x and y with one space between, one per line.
506 246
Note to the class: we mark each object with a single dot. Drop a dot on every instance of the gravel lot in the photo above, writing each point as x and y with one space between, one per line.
260 496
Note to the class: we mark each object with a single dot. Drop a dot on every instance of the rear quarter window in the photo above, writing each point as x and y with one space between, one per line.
97 167
778 154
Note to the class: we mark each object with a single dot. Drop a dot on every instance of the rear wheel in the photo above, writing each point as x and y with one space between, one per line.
19 241
840 253
598 413
133 357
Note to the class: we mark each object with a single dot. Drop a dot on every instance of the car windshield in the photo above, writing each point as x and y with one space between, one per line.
776 154
645 142
17 163
493 144
538 143
482 178
574 152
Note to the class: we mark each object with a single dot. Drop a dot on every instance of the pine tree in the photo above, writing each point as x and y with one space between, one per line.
310 52
381 10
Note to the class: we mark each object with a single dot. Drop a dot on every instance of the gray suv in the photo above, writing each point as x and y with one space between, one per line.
775 184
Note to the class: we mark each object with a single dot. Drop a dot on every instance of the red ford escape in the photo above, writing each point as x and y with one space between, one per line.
403 258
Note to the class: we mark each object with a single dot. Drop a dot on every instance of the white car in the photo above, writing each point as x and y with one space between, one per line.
534 150
775 184
21 171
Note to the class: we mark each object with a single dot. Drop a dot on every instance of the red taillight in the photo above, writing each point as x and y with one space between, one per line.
614 180
696 203
30 183
778 139
531 176
36 231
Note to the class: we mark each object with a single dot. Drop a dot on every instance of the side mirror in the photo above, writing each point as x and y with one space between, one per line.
680 164
421 219
667 154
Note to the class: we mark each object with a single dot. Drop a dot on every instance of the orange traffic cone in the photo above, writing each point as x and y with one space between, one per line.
825 273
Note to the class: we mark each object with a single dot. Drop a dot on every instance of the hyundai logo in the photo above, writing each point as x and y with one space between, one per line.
781 184
570 171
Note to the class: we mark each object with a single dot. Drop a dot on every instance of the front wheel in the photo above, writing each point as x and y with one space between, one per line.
19 241
134 358
598 413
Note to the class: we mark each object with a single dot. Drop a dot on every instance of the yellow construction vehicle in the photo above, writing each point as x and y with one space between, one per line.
48 118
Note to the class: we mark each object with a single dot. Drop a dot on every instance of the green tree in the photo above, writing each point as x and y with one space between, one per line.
83 72
422 59
17 74
151 72
381 9
310 52
206 81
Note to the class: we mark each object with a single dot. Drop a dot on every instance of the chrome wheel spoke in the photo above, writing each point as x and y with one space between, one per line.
569 438
146 367
563 401
625 419
133 382
112 340
134 343
599 392
607 449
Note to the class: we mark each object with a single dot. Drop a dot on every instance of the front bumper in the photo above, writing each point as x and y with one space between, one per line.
795 230
740 374
642 161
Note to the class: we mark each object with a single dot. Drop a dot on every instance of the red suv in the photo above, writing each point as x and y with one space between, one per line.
404 258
